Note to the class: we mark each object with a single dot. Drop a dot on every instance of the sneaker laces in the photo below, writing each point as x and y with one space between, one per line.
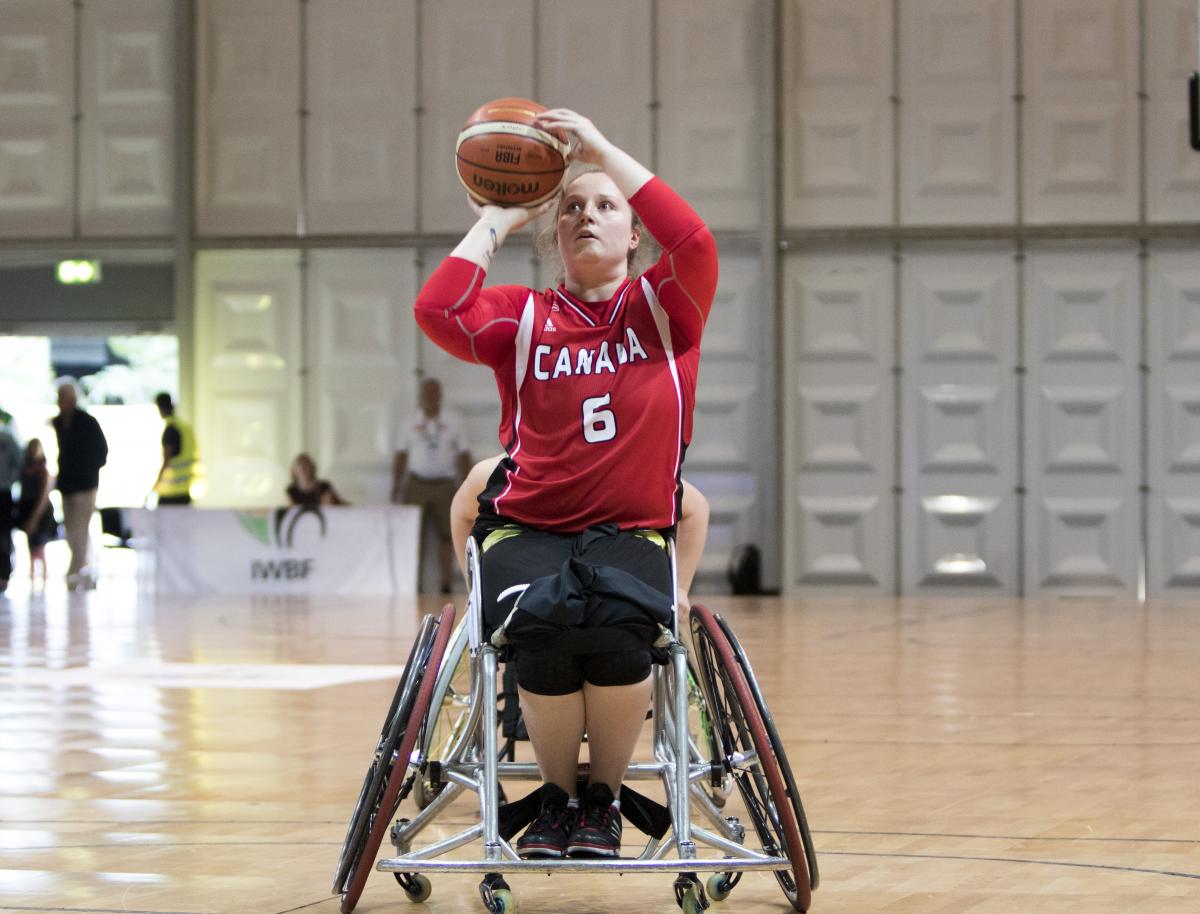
604 815
552 817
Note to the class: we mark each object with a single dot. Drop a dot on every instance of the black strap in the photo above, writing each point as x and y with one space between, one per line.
646 815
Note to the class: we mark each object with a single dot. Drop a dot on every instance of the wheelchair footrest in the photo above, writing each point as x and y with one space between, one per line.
646 815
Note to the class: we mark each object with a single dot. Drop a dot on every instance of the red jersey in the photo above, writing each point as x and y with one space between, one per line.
596 397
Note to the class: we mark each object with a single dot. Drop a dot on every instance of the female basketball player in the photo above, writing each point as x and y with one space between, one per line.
597 383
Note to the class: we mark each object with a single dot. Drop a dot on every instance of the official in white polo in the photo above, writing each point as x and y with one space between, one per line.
431 460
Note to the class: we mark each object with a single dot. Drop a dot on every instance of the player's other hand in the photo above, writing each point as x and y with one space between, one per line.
510 218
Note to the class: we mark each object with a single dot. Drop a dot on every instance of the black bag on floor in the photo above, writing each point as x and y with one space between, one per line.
745 570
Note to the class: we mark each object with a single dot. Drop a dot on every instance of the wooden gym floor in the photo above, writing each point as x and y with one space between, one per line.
954 755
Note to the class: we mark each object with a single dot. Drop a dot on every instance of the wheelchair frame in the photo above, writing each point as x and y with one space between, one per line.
750 754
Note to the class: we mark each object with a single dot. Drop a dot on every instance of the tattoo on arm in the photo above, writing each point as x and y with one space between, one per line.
490 253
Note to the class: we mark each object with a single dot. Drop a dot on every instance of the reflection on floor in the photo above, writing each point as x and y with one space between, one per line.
954 756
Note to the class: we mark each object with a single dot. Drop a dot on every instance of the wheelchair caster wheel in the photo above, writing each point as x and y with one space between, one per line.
693 902
689 894
718 886
503 903
416 887
497 896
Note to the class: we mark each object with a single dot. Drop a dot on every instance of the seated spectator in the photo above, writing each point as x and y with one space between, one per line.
307 489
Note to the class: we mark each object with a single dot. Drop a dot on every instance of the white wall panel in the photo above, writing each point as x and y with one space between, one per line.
595 58
840 421
837 110
467 59
248 373
959 463
1083 429
362 352
1173 541
1080 148
37 97
1172 166
733 436
709 57
247 122
958 117
470 389
127 98
361 131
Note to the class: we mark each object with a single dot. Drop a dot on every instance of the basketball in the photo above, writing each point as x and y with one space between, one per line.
502 158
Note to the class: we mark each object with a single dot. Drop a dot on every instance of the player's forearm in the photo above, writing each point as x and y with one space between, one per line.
482 241
627 173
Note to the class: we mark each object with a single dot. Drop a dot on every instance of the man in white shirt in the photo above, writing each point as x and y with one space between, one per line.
431 460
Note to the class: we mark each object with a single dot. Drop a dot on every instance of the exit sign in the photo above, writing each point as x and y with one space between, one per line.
77 272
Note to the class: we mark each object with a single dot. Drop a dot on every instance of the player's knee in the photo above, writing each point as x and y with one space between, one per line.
548 672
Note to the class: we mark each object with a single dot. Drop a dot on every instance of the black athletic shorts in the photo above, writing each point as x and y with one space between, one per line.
616 621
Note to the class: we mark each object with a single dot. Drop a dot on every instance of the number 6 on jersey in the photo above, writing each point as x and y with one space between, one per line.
598 424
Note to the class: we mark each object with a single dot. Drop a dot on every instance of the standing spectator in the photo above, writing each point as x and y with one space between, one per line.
82 451
431 460
34 513
180 456
10 469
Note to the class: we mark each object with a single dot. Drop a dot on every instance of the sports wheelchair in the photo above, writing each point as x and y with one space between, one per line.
711 732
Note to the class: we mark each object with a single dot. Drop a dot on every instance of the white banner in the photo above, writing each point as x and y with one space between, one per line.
331 550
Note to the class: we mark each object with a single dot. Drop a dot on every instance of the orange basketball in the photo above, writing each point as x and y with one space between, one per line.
503 158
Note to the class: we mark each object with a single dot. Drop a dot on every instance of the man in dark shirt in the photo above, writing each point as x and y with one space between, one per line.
82 451
10 472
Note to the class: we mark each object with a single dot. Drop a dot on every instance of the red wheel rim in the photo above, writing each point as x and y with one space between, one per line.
366 861
766 754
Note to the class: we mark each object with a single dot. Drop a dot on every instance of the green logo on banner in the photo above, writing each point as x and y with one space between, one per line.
279 526
257 526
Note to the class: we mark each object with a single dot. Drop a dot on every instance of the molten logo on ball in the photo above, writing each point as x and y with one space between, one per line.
504 158
490 188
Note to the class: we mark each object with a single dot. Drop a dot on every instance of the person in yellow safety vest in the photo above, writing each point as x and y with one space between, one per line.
180 456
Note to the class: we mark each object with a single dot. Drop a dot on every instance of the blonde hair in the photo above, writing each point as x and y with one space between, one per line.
545 239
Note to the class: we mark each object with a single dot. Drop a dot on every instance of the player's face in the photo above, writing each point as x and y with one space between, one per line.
595 225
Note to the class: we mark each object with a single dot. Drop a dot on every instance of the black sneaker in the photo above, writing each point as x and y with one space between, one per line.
597 832
547 835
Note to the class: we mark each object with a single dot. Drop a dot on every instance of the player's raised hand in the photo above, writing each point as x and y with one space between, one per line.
589 144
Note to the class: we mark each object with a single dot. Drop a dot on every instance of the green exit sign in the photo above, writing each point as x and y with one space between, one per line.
77 272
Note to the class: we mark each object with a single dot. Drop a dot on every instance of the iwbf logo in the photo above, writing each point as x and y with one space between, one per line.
279 528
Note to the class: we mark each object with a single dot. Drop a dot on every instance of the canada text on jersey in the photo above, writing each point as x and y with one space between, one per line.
586 361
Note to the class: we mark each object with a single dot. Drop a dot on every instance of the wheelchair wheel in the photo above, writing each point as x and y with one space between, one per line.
741 731
810 856
450 714
385 786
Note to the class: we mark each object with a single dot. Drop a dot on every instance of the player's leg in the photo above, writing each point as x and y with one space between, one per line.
618 685
464 507
549 682
615 714
555 724
689 540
